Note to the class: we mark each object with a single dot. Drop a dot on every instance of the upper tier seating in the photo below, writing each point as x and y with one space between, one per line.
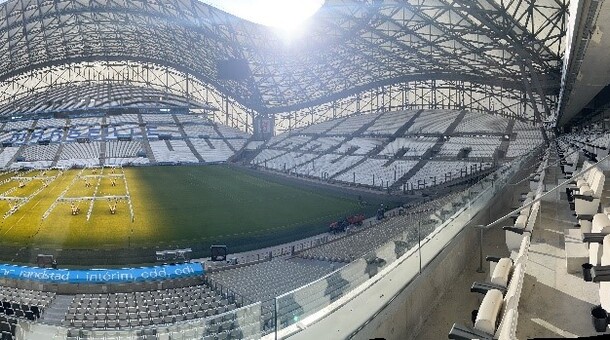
122 119
14 137
318 128
23 125
157 118
200 131
414 146
153 131
362 146
322 144
389 123
475 122
433 121
352 124
49 123
84 131
192 119
53 135
123 131
88 121
481 147
291 142
328 165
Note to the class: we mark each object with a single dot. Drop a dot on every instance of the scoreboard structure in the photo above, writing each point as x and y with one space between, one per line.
264 127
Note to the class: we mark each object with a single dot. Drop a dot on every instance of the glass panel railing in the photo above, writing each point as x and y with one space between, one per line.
426 230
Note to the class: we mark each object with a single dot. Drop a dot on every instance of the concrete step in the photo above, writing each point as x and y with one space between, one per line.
55 313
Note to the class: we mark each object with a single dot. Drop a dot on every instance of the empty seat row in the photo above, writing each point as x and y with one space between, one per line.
497 314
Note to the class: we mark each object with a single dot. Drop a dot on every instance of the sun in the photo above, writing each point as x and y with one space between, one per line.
285 15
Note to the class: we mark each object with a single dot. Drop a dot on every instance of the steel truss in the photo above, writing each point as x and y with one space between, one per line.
104 84
351 47
431 94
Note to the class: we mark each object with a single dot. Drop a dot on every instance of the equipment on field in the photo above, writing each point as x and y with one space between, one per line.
219 252
342 225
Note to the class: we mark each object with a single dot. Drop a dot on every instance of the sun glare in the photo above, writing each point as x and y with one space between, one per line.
285 15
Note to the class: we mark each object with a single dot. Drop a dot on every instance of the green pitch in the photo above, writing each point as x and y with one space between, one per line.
172 207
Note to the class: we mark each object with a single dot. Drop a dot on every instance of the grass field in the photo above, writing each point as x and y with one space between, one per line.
173 207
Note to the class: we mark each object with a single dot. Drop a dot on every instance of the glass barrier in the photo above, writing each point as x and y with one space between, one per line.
436 224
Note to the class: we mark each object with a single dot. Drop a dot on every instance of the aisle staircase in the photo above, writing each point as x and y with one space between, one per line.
56 312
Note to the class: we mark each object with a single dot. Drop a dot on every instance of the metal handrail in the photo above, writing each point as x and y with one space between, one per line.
518 210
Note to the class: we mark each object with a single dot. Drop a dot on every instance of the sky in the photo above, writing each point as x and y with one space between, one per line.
285 15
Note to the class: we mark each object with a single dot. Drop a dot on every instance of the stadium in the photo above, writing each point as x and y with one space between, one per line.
338 169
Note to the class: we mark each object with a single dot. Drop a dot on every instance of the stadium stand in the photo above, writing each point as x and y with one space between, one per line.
289 160
26 124
437 172
24 303
473 123
86 121
80 154
172 151
433 121
136 309
164 130
375 172
254 144
229 132
292 142
40 152
122 119
52 135
353 123
200 131
412 146
157 118
260 282
359 145
131 131
479 147
212 150
322 144
389 123
320 128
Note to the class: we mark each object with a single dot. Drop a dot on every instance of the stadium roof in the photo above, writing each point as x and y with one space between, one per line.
83 97
350 46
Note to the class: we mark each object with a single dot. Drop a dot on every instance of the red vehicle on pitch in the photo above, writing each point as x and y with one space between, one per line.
341 225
